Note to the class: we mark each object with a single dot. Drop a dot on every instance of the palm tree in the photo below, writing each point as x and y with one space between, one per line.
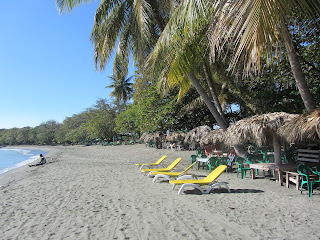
129 26
179 56
256 28
122 88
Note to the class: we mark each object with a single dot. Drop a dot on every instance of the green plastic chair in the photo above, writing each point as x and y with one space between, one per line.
193 159
251 159
211 164
305 171
241 169
270 158
199 152
224 161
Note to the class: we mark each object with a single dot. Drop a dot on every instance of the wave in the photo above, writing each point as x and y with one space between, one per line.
26 157
22 151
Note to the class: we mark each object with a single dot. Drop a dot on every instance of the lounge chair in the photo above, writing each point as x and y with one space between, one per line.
169 175
209 180
141 165
167 169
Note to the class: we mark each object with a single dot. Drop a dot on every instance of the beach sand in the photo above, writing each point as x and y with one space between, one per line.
96 192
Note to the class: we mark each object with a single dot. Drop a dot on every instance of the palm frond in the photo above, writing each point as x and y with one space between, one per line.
255 27
106 31
69 5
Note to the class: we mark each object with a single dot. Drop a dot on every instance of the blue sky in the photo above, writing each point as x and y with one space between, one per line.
46 63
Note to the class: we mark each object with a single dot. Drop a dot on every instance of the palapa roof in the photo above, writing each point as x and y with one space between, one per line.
143 136
152 137
259 128
148 137
196 134
213 137
175 136
303 128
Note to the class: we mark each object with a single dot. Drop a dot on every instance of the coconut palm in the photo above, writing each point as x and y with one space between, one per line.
256 28
122 88
176 58
129 27
179 56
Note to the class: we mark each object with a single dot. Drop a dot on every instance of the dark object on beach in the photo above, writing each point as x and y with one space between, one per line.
42 161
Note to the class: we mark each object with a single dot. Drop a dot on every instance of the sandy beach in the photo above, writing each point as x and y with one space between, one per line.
96 192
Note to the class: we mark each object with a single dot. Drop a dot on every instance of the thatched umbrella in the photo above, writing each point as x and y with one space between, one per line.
303 128
175 136
143 136
213 137
195 135
152 137
261 129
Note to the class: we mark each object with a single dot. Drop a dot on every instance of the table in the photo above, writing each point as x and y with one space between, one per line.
202 161
261 166
293 177
289 168
274 168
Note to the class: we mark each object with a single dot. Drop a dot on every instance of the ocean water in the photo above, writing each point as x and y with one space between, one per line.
13 158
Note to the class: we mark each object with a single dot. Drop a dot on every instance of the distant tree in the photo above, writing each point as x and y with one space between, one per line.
23 135
46 132
122 88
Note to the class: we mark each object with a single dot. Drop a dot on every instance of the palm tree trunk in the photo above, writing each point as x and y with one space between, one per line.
299 75
222 124
213 92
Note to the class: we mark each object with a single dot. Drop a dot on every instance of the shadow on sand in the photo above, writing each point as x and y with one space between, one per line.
223 190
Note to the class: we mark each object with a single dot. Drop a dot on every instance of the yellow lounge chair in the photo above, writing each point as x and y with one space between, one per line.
168 175
141 165
208 180
169 168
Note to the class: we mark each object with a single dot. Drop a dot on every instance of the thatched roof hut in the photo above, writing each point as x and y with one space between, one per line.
258 129
175 136
195 135
213 137
143 136
261 129
303 128
148 137
156 136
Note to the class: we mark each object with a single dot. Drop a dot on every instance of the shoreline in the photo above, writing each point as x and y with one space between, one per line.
96 192
28 158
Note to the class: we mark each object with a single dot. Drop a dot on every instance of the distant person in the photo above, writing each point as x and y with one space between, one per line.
208 150
217 150
42 161
232 157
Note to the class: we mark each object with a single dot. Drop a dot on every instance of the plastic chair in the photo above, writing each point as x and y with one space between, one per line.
224 161
251 159
305 171
241 169
199 152
193 159
211 164
208 180
270 158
